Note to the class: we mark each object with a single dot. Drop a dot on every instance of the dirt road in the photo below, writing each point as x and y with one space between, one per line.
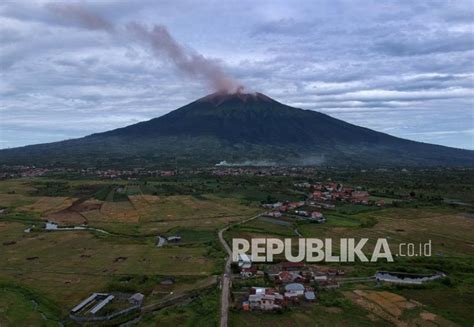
226 278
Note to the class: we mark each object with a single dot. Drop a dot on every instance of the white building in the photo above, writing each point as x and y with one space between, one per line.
244 261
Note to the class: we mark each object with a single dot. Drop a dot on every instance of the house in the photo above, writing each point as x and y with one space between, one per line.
274 214
289 277
272 205
283 208
302 213
316 215
360 196
294 205
262 298
309 296
317 195
265 302
244 261
294 289
258 290
320 278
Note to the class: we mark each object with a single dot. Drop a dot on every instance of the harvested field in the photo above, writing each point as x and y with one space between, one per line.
122 211
46 205
67 218
16 200
391 307
73 215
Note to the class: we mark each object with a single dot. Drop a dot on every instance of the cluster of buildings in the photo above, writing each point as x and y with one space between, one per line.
335 192
293 283
320 196
293 208
226 169
269 299
23 171
132 174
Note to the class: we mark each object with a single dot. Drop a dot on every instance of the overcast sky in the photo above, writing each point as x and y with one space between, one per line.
401 67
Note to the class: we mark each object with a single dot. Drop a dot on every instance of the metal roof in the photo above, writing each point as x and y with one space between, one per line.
294 287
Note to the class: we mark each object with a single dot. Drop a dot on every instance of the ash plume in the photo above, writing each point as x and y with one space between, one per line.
78 15
160 41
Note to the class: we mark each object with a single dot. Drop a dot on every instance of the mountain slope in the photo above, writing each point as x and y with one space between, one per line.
238 128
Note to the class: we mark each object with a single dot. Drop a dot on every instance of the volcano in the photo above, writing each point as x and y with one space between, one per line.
239 129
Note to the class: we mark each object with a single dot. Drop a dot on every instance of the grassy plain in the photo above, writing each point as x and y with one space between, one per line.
43 274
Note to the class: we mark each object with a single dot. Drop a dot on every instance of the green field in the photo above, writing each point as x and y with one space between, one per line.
44 274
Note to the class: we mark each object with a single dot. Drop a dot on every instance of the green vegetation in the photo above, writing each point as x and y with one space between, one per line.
44 274
202 312
22 306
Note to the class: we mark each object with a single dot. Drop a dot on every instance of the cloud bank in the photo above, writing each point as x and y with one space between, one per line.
403 68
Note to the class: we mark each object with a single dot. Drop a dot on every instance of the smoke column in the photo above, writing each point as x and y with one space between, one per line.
159 40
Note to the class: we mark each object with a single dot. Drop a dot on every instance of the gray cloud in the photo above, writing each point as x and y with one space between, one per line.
400 67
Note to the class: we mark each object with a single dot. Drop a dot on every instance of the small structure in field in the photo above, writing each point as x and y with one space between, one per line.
273 214
317 217
136 298
168 281
91 309
406 278
174 239
101 304
160 241
244 261
50 225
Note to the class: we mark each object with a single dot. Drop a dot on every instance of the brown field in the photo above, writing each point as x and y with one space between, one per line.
73 215
390 307
66 218
119 211
48 204
450 232
16 200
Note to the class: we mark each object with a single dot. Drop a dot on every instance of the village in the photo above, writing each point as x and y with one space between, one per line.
292 283
289 284
319 196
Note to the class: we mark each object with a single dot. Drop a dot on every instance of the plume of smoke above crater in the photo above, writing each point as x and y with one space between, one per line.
159 39
76 14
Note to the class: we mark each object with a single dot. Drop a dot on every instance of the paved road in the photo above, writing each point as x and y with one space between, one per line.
227 277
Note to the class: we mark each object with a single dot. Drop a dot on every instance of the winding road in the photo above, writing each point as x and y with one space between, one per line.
227 276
